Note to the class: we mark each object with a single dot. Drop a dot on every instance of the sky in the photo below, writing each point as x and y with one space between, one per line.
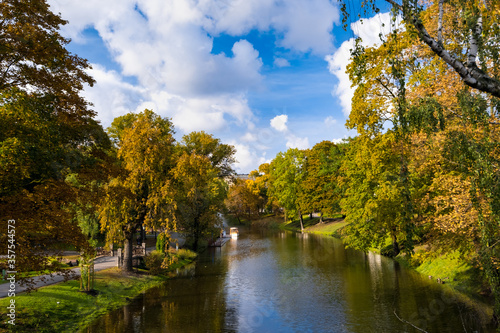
262 75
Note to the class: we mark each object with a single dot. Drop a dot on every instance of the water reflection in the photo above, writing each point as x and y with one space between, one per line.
287 282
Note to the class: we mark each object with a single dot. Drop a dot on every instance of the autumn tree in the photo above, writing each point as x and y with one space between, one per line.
445 88
198 196
243 199
136 195
48 132
475 22
221 155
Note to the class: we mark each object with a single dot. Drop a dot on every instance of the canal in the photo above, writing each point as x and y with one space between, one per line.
277 281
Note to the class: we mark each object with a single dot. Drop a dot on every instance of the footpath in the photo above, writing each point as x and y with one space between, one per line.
45 280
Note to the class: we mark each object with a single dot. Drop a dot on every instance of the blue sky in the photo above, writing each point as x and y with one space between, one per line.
262 75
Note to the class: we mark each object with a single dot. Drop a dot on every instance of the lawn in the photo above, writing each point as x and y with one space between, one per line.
63 308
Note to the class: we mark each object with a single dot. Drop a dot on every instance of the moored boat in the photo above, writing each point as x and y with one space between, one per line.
233 232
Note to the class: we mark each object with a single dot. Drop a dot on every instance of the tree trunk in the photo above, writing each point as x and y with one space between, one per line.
196 234
395 245
321 218
127 252
301 222
310 216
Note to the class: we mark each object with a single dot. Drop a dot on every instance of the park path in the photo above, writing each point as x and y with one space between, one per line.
100 264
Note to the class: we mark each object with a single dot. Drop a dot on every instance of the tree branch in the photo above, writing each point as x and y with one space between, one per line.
470 73
440 22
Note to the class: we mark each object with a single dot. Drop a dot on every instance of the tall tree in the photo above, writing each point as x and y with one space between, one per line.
135 197
320 191
286 174
221 155
198 195
33 56
47 131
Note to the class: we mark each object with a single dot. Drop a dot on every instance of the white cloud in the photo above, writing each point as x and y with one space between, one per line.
249 137
330 121
369 30
296 142
279 123
247 158
281 62
303 25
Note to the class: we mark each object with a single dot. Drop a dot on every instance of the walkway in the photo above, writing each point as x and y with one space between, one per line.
100 264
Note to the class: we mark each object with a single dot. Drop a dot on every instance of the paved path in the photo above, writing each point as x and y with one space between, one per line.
100 264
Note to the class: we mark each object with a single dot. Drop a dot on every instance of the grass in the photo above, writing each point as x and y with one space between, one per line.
330 227
451 268
63 308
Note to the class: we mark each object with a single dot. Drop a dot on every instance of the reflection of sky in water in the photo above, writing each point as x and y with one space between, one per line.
286 282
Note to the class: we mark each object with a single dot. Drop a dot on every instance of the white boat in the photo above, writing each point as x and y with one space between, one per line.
233 232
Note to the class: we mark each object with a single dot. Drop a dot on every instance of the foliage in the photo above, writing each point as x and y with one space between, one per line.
33 57
154 262
198 195
135 196
186 254
285 177
243 199
162 242
319 191
221 155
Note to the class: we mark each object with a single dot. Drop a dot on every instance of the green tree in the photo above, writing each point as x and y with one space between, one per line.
221 155
286 174
319 191
374 202
198 195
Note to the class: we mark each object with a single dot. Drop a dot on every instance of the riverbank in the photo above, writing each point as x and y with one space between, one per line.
63 308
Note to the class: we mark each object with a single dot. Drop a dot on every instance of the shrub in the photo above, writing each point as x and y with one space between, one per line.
183 254
154 262
169 260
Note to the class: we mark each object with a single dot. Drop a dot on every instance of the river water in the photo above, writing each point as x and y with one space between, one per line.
277 281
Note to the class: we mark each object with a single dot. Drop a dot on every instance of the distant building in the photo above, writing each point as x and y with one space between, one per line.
243 176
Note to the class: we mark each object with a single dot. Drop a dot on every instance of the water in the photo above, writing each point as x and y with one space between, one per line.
286 282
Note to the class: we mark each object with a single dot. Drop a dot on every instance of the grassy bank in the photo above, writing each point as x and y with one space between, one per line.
330 226
63 308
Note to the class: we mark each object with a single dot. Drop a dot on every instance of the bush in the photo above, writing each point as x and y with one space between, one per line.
183 254
161 242
154 262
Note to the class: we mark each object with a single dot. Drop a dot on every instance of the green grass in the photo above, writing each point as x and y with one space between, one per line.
451 268
63 308
328 228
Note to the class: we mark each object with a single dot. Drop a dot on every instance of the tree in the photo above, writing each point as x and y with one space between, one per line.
136 195
319 190
198 195
286 174
221 155
39 148
243 199
33 57
407 82
475 22
374 203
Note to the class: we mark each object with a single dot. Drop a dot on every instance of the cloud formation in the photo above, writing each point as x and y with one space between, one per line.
162 53
369 30
279 123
